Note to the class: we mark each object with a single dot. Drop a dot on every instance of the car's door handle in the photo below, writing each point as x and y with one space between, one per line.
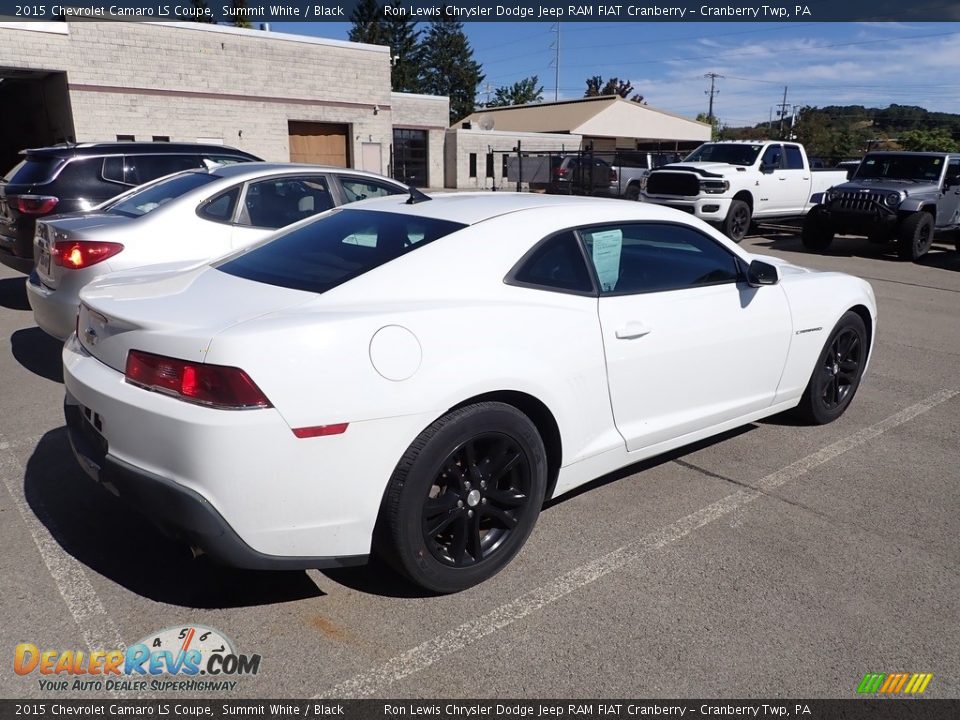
783 178
633 330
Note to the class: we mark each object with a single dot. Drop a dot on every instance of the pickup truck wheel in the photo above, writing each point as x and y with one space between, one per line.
915 236
816 234
737 222
632 192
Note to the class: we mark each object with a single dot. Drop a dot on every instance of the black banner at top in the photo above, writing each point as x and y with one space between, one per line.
259 11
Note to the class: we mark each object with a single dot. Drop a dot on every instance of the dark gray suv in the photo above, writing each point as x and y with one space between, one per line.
900 196
66 178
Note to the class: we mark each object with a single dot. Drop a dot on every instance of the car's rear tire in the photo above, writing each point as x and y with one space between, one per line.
837 373
816 234
915 236
465 497
737 222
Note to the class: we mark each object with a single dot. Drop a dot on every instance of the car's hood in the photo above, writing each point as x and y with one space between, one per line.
782 265
171 311
704 169
888 185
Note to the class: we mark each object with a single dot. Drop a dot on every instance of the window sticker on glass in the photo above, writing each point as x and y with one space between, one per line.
606 248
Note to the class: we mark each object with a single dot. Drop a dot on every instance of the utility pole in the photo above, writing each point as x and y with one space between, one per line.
711 92
486 91
555 46
783 111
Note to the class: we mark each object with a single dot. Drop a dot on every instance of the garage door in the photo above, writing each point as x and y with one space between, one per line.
322 143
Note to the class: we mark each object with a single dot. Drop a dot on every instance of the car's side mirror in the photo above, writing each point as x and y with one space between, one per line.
951 181
761 273
766 169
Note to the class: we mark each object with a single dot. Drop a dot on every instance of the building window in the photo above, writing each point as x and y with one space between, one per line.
161 138
126 138
489 165
410 157
473 165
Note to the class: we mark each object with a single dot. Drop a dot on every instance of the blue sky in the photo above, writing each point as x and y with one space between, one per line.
872 64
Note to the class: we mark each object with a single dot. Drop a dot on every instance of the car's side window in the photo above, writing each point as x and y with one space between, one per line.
656 257
772 156
355 189
221 207
113 169
794 157
139 169
556 264
278 202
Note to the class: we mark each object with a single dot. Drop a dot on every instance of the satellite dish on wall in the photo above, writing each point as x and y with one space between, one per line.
485 122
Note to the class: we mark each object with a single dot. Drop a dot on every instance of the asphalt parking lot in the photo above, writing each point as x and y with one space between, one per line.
775 561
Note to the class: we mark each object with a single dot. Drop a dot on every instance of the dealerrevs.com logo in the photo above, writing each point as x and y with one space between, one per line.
191 658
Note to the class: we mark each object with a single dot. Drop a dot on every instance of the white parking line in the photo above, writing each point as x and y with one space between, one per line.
97 627
427 653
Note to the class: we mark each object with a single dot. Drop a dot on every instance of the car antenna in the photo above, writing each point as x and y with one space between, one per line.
417 197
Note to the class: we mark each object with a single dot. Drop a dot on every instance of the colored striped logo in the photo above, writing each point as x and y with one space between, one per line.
894 683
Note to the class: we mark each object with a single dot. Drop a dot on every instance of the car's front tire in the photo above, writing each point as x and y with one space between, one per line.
837 374
465 497
816 234
915 236
737 223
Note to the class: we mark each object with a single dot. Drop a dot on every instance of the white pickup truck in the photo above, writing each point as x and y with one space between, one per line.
732 183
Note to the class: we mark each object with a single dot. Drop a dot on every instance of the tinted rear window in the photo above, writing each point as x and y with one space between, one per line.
36 169
155 195
336 248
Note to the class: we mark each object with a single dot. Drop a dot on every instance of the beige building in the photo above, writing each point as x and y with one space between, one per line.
604 123
279 96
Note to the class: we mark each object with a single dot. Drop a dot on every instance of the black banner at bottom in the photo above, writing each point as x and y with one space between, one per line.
872 709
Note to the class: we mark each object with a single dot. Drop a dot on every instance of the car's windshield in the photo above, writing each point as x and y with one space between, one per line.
722 153
900 167
335 248
152 196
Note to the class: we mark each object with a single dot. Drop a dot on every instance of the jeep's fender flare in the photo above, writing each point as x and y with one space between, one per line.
912 205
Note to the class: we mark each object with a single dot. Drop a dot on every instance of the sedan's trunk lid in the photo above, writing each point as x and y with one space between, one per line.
173 313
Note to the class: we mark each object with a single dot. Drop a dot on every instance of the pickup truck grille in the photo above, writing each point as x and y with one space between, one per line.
856 201
661 182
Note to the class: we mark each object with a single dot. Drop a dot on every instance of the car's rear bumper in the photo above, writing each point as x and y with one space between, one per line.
7 257
54 312
250 483
178 510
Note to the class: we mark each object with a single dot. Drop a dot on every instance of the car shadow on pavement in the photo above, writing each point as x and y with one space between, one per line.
101 533
13 293
941 255
38 352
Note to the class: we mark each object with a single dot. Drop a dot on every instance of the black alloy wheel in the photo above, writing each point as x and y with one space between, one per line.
737 223
464 498
837 373
476 501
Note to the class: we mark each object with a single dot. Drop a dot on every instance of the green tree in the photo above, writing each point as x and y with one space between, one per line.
239 21
367 19
448 66
714 124
614 86
523 92
921 140
406 52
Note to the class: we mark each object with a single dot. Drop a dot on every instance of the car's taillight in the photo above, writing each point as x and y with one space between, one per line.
560 172
36 204
76 254
214 385
613 175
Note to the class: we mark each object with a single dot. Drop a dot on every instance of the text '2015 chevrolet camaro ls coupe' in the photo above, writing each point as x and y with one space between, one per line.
437 369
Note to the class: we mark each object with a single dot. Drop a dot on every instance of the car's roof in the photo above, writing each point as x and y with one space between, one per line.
909 152
109 148
256 169
470 208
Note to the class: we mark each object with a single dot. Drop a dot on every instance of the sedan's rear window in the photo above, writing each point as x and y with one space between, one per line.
336 248
36 169
156 194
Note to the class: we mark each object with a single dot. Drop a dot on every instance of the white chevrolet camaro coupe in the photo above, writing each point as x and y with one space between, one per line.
414 377
192 216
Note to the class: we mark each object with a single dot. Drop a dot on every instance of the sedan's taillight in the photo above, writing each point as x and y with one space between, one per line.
214 385
36 204
76 254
